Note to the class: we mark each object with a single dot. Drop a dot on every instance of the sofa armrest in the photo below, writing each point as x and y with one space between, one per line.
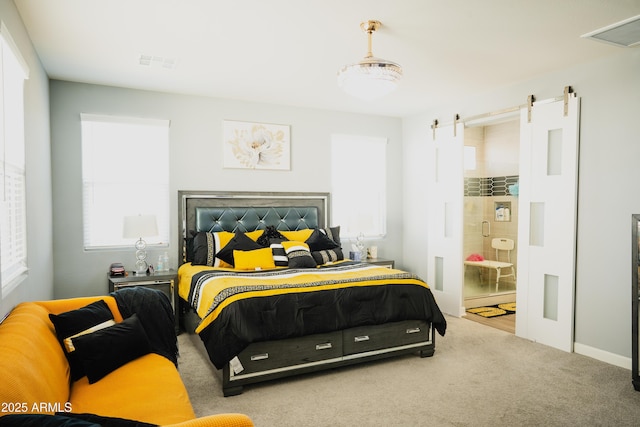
219 420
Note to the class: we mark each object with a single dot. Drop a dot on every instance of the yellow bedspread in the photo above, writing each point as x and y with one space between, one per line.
213 294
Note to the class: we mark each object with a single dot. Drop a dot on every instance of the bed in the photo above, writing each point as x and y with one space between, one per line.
264 282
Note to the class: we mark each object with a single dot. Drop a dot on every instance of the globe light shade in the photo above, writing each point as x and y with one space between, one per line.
370 78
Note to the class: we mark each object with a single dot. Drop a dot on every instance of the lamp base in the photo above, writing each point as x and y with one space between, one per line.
141 267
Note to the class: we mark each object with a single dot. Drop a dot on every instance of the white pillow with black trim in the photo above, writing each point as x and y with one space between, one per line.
279 254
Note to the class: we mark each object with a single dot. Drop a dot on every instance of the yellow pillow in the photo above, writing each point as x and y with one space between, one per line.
257 259
254 235
298 235
294 245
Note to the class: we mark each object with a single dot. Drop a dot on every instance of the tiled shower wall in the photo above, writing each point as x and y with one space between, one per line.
497 152
479 208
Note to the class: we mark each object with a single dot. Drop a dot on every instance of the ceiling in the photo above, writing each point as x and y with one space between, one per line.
287 52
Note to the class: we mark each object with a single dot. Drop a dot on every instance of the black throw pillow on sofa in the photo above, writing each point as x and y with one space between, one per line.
43 420
106 421
76 321
106 350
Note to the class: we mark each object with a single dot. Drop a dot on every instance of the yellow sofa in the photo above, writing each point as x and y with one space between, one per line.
35 376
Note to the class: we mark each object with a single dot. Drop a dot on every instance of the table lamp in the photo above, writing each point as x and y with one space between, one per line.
139 226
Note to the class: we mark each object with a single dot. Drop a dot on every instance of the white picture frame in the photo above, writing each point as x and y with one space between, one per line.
250 145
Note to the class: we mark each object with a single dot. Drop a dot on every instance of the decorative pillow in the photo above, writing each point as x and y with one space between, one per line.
297 235
188 245
298 254
333 233
270 233
280 258
256 259
318 241
206 245
105 421
254 235
43 420
76 322
329 255
240 242
203 250
106 350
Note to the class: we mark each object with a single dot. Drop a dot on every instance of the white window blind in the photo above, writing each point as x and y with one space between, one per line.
358 185
13 224
125 171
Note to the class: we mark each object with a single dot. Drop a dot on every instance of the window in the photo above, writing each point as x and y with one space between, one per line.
358 185
13 223
125 171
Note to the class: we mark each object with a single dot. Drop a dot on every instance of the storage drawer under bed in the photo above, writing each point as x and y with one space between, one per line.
371 338
262 356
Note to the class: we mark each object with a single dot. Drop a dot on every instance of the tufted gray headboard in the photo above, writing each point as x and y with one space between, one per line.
248 211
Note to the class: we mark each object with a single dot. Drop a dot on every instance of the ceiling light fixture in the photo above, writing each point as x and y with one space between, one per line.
372 77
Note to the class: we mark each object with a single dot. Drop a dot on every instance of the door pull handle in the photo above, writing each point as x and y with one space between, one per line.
257 357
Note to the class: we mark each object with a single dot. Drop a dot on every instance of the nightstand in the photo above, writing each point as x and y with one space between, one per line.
161 280
389 263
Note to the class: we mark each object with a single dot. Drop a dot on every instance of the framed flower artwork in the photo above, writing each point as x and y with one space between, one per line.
250 145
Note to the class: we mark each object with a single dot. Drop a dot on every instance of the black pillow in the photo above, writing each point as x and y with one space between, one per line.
240 242
280 258
74 322
188 245
333 233
106 350
203 249
106 421
318 241
329 255
269 234
299 255
43 420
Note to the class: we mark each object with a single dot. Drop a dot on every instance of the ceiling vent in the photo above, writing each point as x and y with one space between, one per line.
622 34
157 61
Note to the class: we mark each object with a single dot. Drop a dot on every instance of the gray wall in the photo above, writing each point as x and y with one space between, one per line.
196 164
610 92
608 195
39 284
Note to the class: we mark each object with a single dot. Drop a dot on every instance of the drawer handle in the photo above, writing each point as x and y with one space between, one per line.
257 357
361 338
413 330
324 346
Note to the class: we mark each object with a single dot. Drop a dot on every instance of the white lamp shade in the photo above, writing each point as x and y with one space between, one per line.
369 79
138 226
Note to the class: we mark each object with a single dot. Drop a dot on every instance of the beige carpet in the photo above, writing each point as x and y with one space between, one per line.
479 376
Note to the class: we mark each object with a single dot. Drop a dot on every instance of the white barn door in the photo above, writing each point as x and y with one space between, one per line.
445 190
548 221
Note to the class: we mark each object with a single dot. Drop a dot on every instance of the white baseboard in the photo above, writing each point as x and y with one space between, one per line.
603 356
